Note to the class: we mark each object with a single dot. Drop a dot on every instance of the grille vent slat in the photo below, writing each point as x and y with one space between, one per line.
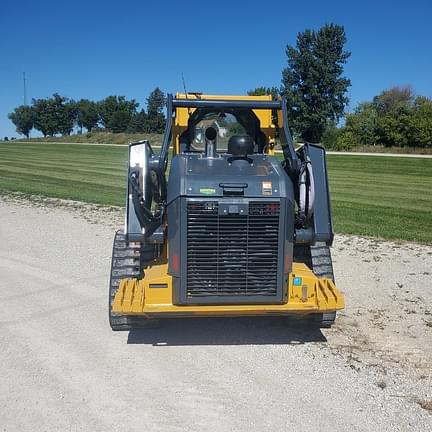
232 255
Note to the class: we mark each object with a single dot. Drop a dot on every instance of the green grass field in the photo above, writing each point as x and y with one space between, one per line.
375 196
382 196
98 137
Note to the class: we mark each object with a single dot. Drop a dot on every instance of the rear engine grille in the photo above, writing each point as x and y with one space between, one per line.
232 254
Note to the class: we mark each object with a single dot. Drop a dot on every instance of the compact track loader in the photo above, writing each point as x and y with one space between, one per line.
233 230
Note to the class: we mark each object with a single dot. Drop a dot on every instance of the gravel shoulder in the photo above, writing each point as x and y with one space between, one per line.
65 369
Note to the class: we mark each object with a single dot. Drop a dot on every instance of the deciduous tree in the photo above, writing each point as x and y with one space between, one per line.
45 119
113 104
421 123
314 83
393 98
54 115
87 114
23 119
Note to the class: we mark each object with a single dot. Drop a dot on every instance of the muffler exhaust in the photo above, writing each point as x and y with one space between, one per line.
210 142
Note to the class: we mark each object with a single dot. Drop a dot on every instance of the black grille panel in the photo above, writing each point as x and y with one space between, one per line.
234 255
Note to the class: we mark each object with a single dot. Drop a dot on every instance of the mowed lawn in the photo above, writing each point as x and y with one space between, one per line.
377 196
388 197
88 173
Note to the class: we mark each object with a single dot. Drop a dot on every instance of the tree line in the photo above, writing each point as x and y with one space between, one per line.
394 118
313 83
316 92
60 115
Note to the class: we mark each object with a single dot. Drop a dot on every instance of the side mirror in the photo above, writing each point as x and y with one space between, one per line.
138 168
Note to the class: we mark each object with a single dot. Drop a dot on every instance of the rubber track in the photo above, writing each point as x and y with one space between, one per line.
318 258
128 261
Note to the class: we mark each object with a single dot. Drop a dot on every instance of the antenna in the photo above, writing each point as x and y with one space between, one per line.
184 85
24 88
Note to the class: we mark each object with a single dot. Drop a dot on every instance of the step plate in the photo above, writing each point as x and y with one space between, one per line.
152 296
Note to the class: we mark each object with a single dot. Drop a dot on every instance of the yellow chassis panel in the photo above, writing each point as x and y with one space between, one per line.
152 297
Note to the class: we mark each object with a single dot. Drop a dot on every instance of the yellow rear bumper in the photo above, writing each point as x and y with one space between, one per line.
152 297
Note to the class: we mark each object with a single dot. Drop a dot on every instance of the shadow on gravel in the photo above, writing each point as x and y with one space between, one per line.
227 331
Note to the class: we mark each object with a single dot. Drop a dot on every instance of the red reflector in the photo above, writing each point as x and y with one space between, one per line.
287 263
175 263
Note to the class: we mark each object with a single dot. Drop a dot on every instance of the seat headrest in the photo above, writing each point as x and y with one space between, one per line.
240 145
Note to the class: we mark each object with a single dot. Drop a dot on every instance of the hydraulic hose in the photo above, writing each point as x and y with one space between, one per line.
145 217
306 189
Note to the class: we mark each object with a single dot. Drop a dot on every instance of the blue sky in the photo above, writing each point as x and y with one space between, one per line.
93 49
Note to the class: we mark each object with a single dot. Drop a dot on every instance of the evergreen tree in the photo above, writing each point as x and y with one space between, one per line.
120 121
155 117
263 91
138 124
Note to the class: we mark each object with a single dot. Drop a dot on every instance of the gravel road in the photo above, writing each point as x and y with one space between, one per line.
64 370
